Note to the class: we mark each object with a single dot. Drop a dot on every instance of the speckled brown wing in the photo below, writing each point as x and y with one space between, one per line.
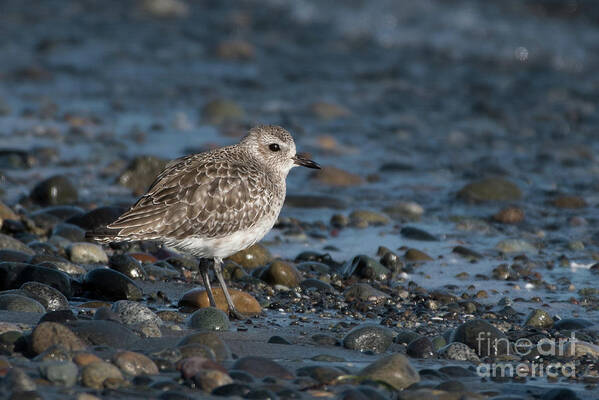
195 196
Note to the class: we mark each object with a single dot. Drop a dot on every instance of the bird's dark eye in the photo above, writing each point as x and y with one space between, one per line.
274 147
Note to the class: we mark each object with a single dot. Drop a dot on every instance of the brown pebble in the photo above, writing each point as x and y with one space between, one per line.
509 215
48 334
134 363
334 176
82 359
417 255
244 302
569 202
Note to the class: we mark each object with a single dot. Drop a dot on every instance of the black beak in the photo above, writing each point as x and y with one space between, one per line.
303 159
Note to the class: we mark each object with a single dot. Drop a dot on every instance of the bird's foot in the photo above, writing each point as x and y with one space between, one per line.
234 314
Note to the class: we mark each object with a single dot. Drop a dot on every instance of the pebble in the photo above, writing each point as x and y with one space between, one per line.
98 375
165 8
337 177
48 334
141 172
405 336
509 215
315 201
409 211
14 256
50 298
54 190
327 111
410 232
364 292
134 364
198 298
560 394
366 218
10 243
210 340
459 352
232 389
209 318
108 284
368 337
253 257
17 381
220 111
316 285
322 374
210 379
483 337
236 49
421 347
101 332
366 267
58 263
127 265
62 373
82 358
7 213
281 273
69 231
196 350
60 316
415 255
539 319
490 189
189 367
19 303
96 218
133 313
515 246
467 253
87 253
572 324
261 367
395 370
572 202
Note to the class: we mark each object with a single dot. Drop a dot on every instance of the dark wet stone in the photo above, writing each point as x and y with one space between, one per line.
209 318
316 285
58 263
102 332
395 370
457 371
127 265
315 201
16 159
405 336
13 275
415 255
281 273
278 340
325 340
17 381
60 316
324 258
261 367
232 389
490 189
47 334
466 252
458 351
18 303
321 374
108 284
452 386
105 313
210 340
69 231
141 172
96 218
369 337
365 267
560 394
313 266
63 373
339 221
410 232
196 350
363 292
174 395
55 190
183 261
14 256
483 337
391 261
572 324
421 347
132 313
241 376
260 394
438 342
539 319
47 296
10 243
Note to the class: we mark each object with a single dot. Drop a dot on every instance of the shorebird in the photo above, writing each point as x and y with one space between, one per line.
216 203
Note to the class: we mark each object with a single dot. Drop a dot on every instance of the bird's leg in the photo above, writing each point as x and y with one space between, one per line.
218 271
204 271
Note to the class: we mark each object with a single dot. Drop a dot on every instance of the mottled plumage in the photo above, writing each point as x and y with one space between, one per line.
216 203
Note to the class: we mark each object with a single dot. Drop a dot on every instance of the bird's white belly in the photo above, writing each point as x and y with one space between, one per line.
224 246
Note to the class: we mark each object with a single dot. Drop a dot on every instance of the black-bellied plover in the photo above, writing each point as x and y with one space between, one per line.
216 203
